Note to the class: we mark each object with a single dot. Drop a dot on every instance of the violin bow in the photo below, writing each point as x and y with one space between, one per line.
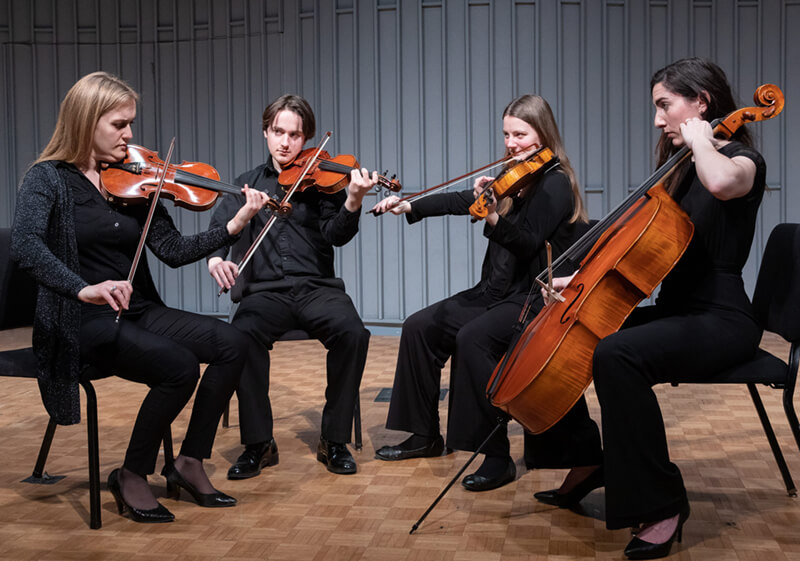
436 188
265 230
150 213
552 294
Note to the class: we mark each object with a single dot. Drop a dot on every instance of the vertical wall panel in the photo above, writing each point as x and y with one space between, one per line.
415 87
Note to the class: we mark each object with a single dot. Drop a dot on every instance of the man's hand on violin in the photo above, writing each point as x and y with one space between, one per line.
361 182
254 201
391 204
224 272
114 293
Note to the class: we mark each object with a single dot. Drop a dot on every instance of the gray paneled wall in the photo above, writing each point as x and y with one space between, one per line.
412 86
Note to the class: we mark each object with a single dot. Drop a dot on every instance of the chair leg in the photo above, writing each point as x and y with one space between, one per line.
773 442
94 455
39 476
169 458
226 415
357 424
791 415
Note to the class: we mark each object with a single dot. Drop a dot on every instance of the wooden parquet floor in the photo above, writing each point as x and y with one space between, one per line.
298 511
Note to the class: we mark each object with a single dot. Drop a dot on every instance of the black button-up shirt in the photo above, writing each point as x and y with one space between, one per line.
107 237
298 246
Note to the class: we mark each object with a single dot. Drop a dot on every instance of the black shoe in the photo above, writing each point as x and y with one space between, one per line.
336 457
433 448
595 480
640 549
475 482
176 481
158 514
253 459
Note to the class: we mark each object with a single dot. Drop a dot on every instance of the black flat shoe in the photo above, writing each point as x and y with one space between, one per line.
393 453
211 500
151 516
640 549
595 480
475 482
336 457
253 459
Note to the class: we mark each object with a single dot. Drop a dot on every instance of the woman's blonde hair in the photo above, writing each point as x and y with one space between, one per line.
87 100
534 110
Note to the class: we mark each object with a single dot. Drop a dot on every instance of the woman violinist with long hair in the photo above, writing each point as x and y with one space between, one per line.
701 323
79 248
474 327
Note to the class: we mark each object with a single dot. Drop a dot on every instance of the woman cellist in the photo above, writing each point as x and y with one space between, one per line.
474 326
702 320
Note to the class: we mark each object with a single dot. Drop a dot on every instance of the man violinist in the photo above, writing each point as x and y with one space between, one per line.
290 284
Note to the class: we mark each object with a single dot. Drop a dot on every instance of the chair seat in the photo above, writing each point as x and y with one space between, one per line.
19 362
764 368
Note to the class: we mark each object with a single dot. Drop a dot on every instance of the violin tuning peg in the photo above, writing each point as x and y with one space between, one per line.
394 176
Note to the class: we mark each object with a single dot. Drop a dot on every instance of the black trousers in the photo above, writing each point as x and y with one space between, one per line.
163 348
473 329
327 314
642 484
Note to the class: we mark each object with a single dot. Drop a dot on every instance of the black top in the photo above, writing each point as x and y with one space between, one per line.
516 253
44 243
297 247
107 237
709 275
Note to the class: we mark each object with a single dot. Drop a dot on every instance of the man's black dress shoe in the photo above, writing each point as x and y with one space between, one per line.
475 482
253 459
158 514
640 549
215 499
595 480
432 449
336 457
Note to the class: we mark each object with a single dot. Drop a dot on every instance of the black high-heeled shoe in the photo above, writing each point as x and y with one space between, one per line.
595 480
153 515
175 482
640 549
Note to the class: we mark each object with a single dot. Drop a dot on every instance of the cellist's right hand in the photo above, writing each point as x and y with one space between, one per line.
559 284
224 272
391 204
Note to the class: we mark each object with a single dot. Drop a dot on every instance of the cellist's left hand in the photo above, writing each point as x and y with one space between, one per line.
361 182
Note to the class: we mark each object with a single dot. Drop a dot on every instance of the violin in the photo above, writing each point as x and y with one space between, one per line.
327 174
191 185
514 178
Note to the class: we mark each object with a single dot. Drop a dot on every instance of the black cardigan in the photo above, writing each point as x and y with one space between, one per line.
43 243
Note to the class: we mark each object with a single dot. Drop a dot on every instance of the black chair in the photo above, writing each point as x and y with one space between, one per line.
776 301
300 335
17 305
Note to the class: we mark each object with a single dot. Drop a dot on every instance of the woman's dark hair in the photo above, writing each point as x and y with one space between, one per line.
295 104
694 78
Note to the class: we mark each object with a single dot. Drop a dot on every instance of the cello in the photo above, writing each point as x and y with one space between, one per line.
622 259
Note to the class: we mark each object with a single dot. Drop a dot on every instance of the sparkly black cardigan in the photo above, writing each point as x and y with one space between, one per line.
43 244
